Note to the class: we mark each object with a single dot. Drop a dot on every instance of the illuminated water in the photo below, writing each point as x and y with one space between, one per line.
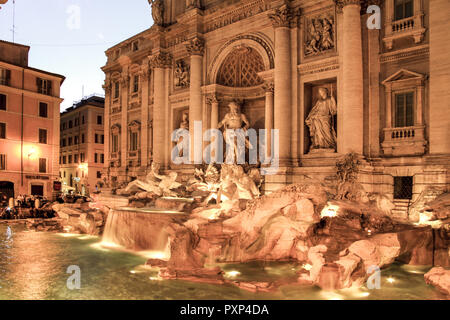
33 266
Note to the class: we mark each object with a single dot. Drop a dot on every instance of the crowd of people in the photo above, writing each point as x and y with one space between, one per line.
25 206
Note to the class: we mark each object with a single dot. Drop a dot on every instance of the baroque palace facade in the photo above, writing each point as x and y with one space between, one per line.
312 69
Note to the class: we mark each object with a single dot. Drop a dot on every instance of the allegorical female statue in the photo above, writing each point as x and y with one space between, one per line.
320 122
157 11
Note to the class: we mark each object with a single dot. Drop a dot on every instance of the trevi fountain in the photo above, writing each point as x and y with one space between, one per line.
216 236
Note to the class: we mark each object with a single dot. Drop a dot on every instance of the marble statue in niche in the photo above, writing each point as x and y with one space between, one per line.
320 36
181 74
235 120
157 11
321 123
183 144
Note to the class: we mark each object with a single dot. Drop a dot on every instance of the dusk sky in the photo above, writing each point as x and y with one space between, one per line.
69 37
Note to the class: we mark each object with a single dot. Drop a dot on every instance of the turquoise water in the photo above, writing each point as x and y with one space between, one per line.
33 265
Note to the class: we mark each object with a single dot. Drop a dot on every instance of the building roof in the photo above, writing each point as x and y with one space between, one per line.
23 49
92 100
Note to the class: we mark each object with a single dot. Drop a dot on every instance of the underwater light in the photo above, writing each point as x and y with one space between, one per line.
390 280
307 267
232 273
330 210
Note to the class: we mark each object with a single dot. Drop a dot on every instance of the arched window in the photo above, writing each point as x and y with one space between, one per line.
241 68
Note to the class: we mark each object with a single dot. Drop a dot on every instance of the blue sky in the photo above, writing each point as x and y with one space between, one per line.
69 37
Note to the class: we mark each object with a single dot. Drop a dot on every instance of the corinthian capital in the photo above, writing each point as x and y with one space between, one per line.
342 3
196 46
281 17
161 60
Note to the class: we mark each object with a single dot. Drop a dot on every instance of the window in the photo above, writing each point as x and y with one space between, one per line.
2 130
99 175
404 9
43 136
96 138
69 141
82 120
116 90
102 140
42 165
102 158
77 122
82 157
404 109
135 46
70 159
75 158
70 124
44 86
63 126
2 102
64 161
99 120
5 77
96 158
115 143
2 161
64 173
403 187
43 110
76 140
135 83
63 142
82 138
133 141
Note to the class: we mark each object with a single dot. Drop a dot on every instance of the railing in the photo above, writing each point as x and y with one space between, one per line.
403 133
404 141
403 25
4 81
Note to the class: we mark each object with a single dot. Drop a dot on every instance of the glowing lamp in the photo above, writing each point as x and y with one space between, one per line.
330 210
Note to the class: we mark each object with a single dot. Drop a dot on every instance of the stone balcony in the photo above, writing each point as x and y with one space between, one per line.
405 141
408 27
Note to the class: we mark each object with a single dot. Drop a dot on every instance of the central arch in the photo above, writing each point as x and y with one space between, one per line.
256 44
240 68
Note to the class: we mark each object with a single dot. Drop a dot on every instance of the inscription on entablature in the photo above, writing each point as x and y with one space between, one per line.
320 34
236 15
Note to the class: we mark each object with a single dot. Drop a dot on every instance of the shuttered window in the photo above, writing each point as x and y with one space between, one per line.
2 130
43 136
404 109
42 165
404 9
43 110
2 102
2 161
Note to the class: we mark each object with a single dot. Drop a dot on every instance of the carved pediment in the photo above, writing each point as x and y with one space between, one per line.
404 75
135 124
115 129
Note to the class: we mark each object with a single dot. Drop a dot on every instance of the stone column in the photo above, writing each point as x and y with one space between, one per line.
439 118
352 117
144 74
214 102
269 117
124 88
195 48
107 124
159 62
282 81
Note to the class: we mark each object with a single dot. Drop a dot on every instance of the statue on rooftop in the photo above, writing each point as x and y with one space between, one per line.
157 11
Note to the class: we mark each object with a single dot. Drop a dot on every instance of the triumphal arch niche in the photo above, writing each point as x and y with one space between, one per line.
242 72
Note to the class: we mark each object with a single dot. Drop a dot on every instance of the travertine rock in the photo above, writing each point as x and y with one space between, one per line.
440 278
